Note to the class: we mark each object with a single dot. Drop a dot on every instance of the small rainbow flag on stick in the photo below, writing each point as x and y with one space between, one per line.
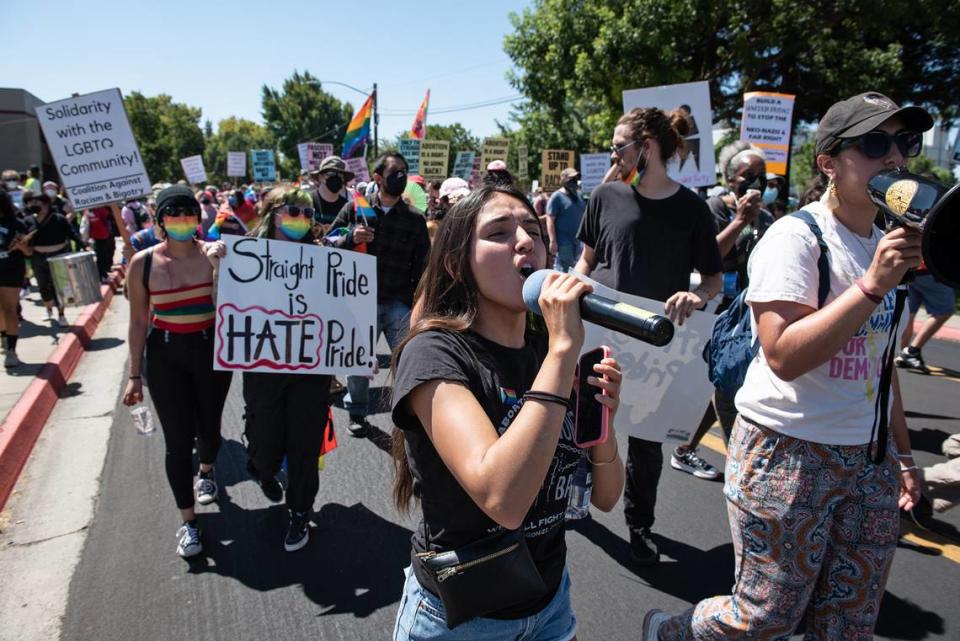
419 129
358 131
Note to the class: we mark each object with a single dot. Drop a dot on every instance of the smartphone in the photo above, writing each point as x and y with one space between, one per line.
592 417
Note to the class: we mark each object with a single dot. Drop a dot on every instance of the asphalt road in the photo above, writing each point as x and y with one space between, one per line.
346 583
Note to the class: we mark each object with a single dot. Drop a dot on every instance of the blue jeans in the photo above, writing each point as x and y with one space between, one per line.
421 617
567 256
393 319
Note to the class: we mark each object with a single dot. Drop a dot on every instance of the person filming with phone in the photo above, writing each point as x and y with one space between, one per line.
485 436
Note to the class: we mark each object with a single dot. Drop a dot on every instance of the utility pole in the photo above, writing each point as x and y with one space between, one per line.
376 121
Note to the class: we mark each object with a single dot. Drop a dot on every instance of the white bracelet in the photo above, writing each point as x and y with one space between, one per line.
909 468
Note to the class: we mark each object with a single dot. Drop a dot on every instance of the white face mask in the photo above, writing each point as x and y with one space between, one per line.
770 194
51 192
11 184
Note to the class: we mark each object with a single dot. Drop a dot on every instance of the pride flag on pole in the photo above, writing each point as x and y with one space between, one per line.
358 131
419 129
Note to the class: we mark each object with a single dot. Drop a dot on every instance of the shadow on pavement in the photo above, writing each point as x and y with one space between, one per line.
902 619
927 440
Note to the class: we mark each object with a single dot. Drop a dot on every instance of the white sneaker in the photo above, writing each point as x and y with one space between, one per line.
206 490
688 461
652 623
189 541
62 321
10 359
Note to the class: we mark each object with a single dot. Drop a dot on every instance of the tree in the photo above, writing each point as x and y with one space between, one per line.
234 134
303 112
923 164
165 131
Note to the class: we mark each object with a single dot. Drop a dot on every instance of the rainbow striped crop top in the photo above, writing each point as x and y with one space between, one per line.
183 310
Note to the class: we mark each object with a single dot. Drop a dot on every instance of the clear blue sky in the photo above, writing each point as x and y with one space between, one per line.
217 55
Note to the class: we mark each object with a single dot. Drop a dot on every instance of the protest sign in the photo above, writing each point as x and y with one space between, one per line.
665 389
193 169
523 163
410 149
264 165
698 168
553 162
767 123
593 167
93 147
463 165
236 163
434 159
296 308
359 168
493 149
312 154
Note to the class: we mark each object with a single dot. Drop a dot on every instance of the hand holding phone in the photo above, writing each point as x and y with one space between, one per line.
592 422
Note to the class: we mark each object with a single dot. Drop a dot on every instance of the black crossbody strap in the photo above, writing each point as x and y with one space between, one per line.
881 415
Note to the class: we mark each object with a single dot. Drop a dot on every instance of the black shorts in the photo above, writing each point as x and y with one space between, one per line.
13 270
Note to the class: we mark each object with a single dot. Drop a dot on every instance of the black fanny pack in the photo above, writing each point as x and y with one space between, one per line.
491 574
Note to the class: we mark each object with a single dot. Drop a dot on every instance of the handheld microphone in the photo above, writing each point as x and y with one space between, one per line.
605 312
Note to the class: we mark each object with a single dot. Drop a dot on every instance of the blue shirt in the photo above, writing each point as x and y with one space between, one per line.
567 212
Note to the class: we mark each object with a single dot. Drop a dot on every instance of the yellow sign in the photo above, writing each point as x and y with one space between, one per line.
493 149
553 163
434 159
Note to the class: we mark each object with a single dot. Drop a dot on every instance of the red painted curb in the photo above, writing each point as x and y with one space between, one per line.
20 430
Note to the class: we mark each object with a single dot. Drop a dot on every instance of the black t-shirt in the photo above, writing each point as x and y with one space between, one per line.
328 210
53 230
498 377
649 247
10 228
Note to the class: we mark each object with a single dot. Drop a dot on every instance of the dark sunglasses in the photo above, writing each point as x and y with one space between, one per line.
295 210
876 144
181 210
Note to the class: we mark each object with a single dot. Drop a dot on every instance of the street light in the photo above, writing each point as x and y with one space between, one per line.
376 113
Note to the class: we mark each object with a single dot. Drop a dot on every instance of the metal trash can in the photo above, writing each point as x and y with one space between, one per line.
75 278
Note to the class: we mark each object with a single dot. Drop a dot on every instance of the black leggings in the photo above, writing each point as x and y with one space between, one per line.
41 269
285 416
104 249
189 397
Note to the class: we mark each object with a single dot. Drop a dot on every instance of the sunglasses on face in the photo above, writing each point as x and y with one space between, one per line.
177 212
618 149
296 210
876 144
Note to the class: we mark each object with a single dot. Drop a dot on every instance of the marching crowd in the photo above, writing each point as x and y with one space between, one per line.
483 437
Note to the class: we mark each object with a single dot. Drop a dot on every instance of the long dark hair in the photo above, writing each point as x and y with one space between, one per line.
446 298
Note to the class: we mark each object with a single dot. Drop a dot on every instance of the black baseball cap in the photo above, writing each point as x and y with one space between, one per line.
176 196
865 112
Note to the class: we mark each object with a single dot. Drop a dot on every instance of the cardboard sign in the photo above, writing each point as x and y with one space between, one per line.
463 164
493 149
236 163
410 149
553 162
523 163
93 147
767 123
665 390
264 165
434 159
698 168
359 167
285 307
193 169
593 167
312 154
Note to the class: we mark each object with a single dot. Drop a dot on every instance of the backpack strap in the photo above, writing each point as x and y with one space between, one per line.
823 262
147 265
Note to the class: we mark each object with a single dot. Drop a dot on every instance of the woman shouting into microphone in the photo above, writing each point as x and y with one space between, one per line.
485 438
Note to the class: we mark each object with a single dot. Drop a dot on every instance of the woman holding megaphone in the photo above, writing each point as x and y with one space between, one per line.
812 481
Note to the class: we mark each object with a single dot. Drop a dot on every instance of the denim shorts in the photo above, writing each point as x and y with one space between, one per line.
421 617
939 299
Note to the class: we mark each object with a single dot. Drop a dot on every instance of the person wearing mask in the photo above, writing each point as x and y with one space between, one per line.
285 412
741 221
330 197
134 215
171 292
50 238
497 174
812 485
238 206
433 198
643 234
397 236
14 236
11 183
484 432
32 183
449 193
208 210
564 214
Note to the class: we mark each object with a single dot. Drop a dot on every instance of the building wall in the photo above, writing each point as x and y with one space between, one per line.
21 143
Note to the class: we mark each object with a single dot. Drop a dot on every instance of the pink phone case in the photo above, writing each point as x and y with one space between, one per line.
605 421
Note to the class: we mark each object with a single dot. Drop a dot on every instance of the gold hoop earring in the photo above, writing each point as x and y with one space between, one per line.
830 199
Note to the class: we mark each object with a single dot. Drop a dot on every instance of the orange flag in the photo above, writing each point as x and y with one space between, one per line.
419 129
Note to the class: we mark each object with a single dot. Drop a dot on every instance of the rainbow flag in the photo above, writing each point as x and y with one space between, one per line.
419 129
363 209
358 131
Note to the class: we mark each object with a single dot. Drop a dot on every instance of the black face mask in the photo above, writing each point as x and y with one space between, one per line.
334 183
751 182
34 209
395 184
571 186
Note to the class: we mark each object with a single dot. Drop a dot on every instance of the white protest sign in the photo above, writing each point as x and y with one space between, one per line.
434 159
359 168
410 150
93 147
236 163
698 168
463 164
593 167
295 308
665 390
264 165
767 122
523 163
193 169
312 154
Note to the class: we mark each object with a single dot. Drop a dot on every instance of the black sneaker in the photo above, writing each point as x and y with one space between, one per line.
688 461
270 487
643 550
298 531
358 426
910 358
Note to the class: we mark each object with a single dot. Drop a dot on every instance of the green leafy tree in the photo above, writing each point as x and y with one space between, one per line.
301 111
923 164
234 134
166 131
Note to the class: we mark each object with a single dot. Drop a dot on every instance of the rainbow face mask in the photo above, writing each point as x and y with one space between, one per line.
294 227
182 228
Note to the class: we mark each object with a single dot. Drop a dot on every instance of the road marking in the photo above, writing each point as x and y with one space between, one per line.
714 442
939 372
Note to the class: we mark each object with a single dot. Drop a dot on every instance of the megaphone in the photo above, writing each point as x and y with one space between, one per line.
914 201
